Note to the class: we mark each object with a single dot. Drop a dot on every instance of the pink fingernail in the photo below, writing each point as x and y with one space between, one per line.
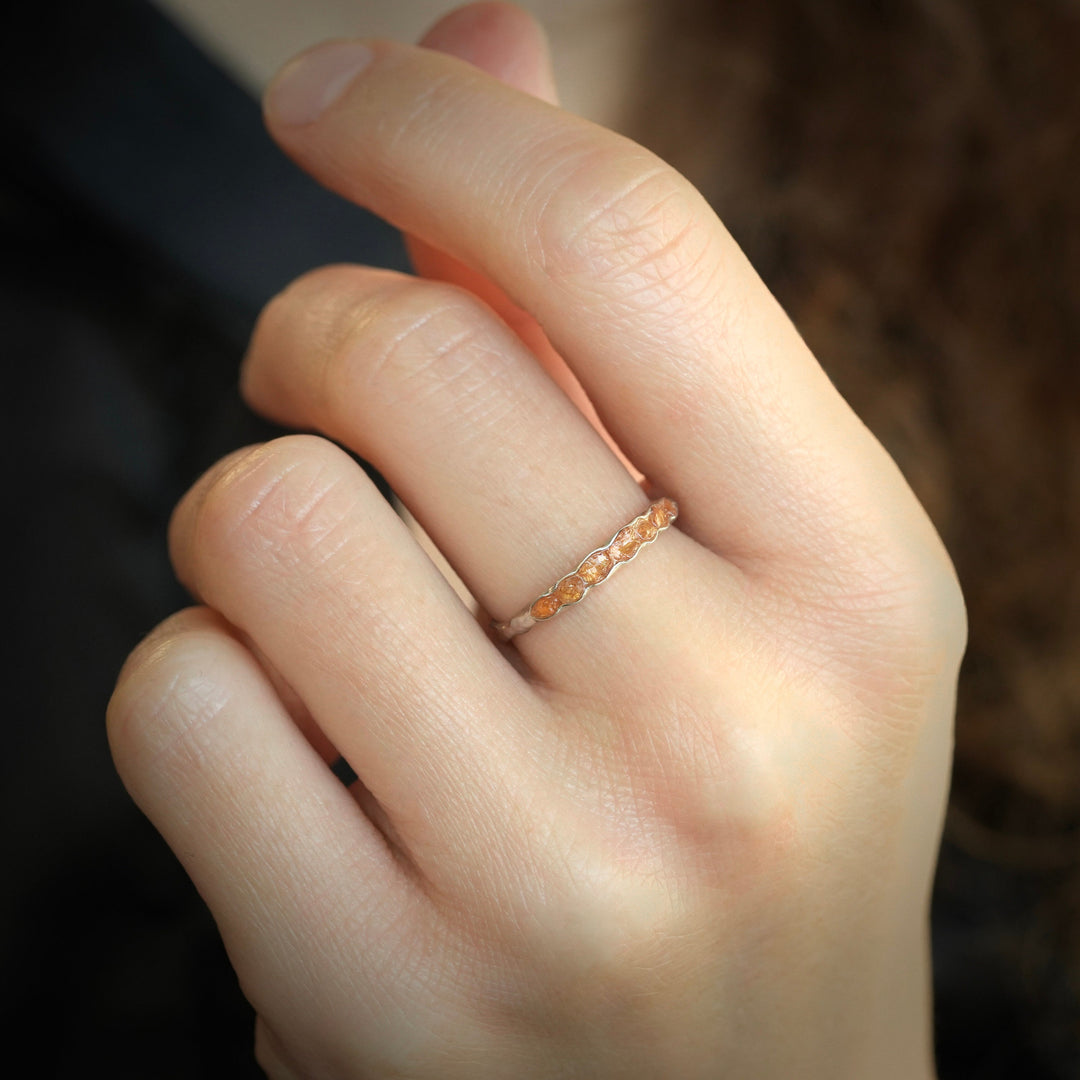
307 86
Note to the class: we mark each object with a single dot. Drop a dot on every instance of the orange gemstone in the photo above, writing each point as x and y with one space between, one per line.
545 607
595 568
645 529
658 516
625 545
571 588
671 508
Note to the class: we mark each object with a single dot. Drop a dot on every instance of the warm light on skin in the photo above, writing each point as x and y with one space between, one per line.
594 42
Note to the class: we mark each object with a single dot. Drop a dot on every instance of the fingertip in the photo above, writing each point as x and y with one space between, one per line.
501 39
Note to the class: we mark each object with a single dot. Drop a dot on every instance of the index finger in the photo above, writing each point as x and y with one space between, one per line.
692 365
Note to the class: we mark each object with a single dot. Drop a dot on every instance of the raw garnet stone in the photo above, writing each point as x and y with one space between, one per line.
625 544
595 568
645 529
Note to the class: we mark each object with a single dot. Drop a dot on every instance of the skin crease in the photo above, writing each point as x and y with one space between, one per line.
686 829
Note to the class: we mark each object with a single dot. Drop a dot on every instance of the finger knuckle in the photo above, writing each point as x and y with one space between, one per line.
923 604
632 233
894 632
929 609
287 504
410 343
935 621
312 303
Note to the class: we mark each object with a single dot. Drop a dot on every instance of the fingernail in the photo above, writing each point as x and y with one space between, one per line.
307 86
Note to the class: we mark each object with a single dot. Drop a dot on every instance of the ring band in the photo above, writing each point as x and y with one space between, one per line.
597 566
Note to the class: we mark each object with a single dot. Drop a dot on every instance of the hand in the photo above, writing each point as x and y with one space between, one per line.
685 829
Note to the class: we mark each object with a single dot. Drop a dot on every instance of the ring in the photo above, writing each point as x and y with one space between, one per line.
597 566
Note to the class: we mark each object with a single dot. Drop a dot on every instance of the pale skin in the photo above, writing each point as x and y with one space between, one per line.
685 829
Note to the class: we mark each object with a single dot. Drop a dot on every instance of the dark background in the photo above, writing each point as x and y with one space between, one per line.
145 219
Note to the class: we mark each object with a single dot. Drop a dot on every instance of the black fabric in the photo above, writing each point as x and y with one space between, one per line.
157 141
145 217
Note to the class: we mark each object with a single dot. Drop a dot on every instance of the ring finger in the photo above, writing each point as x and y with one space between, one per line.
505 474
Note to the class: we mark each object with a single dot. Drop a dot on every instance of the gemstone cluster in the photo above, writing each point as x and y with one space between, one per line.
598 564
